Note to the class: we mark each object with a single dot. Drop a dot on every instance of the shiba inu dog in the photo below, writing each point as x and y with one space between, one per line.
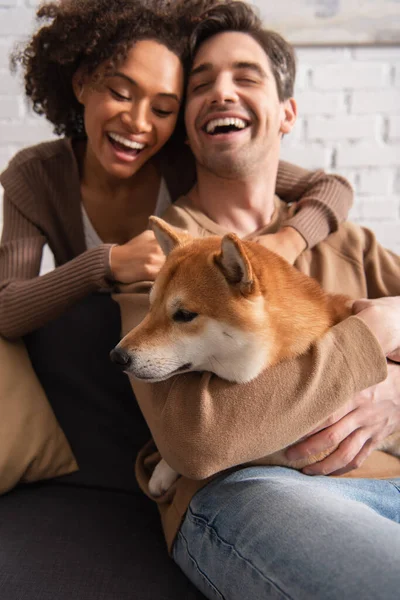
227 306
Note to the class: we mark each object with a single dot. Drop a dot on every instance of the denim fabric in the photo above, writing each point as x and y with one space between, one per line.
272 532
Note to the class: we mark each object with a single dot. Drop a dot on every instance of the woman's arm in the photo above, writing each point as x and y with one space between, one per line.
322 202
27 300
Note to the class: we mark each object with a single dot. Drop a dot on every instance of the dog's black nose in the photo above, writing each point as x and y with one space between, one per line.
120 357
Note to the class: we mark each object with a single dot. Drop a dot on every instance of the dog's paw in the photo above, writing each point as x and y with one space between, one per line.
162 479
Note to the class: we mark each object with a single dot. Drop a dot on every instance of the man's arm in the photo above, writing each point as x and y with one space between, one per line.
374 413
382 316
202 424
358 428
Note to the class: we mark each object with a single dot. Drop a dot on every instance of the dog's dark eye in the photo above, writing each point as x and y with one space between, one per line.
184 316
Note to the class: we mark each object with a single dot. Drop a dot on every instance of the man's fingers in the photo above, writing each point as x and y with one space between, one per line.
357 460
328 438
342 458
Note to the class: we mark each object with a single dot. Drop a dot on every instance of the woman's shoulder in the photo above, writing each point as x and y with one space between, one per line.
35 168
40 153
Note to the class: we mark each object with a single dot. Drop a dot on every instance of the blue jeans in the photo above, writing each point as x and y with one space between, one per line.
272 532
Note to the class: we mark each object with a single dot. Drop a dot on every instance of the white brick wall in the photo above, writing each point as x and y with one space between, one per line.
349 99
349 108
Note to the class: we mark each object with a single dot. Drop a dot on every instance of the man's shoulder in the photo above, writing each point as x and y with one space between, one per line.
182 215
176 214
350 241
343 249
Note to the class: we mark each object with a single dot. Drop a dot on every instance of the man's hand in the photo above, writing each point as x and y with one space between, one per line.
140 259
383 318
356 429
287 242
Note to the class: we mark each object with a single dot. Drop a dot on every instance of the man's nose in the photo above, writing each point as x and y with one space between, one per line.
120 357
223 90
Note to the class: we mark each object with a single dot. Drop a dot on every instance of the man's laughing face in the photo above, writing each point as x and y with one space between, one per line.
234 118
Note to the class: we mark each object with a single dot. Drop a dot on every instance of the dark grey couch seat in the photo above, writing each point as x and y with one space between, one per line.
66 542
91 535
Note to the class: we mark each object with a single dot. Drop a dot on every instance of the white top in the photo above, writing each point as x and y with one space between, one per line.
92 237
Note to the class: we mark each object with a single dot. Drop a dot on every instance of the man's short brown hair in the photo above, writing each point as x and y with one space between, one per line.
241 17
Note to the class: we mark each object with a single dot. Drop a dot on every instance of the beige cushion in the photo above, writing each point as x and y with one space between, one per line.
32 444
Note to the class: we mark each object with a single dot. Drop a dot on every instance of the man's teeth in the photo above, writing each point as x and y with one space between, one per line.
227 122
128 143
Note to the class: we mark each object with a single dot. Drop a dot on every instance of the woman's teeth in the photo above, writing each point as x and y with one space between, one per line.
129 144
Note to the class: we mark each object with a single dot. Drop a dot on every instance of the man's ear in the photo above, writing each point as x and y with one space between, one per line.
168 237
289 116
234 263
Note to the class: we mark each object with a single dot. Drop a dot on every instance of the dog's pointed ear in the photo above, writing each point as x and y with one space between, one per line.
234 263
167 236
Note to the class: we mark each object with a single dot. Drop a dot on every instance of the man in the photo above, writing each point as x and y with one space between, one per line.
259 531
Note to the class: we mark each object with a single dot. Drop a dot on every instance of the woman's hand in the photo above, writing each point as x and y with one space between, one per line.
287 242
140 259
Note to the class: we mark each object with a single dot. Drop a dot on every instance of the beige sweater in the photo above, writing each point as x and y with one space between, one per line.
203 425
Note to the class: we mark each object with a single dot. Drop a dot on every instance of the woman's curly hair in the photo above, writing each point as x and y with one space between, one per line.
84 34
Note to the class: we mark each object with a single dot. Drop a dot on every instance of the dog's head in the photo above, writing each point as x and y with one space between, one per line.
206 311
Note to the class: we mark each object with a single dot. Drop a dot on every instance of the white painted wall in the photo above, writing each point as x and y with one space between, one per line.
349 118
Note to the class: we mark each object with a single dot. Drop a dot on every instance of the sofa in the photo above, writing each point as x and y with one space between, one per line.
92 534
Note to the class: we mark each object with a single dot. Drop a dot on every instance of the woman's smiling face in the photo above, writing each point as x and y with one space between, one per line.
131 112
